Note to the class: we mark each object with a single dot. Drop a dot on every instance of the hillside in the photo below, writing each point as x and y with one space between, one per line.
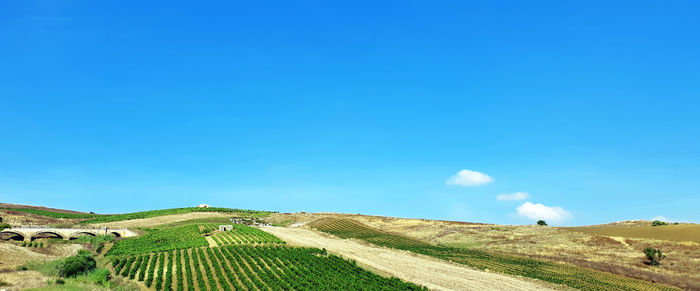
182 249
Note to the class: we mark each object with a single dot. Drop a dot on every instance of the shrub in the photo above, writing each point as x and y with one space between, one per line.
98 276
654 256
541 222
78 264
4 226
100 247
658 223
41 244
60 281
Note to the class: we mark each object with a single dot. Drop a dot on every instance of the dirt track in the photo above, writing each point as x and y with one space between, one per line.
146 222
430 272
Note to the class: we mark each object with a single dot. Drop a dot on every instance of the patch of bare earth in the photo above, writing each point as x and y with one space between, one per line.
430 272
172 218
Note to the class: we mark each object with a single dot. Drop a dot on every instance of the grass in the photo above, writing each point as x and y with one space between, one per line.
679 232
97 279
48 268
572 276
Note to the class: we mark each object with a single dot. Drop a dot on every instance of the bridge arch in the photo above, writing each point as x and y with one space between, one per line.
77 234
115 234
11 234
34 235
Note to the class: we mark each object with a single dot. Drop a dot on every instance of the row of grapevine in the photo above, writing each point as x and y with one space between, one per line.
174 238
243 234
260 267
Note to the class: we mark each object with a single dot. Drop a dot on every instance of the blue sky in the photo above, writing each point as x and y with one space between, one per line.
589 109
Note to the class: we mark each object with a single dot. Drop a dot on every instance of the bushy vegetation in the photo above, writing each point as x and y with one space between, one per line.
541 222
3 226
654 256
572 276
79 264
658 223
182 237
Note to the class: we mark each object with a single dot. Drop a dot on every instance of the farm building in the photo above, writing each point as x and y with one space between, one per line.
225 227
203 205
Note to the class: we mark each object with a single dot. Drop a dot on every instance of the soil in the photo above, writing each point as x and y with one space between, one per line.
153 221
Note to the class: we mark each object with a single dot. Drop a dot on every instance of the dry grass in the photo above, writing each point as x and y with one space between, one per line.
618 255
639 229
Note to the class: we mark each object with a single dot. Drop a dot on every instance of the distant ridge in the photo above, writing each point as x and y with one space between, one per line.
10 205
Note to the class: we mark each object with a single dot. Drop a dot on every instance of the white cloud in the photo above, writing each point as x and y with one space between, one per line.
469 178
513 196
660 218
546 213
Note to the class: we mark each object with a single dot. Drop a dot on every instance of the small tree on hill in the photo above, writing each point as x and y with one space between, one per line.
658 222
654 256
541 222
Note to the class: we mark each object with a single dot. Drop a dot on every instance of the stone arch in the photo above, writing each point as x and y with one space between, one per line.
33 236
16 233
115 234
75 235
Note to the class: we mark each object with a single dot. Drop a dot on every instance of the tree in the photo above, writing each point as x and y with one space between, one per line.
78 264
541 222
654 256
658 222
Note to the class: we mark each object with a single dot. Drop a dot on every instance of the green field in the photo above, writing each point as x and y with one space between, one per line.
167 259
572 276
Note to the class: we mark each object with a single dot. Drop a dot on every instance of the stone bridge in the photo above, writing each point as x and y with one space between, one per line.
28 233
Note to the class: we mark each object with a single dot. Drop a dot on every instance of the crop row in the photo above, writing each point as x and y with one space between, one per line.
181 237
572 276
243 234
245 267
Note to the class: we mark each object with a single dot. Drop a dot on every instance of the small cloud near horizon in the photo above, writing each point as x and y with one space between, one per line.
539 211
469 178
513 196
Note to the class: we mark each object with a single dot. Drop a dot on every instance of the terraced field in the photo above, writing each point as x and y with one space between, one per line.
250 259
572 276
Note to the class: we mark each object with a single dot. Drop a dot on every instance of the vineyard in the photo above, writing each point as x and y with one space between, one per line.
572 276
243 234
181 237
249 259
